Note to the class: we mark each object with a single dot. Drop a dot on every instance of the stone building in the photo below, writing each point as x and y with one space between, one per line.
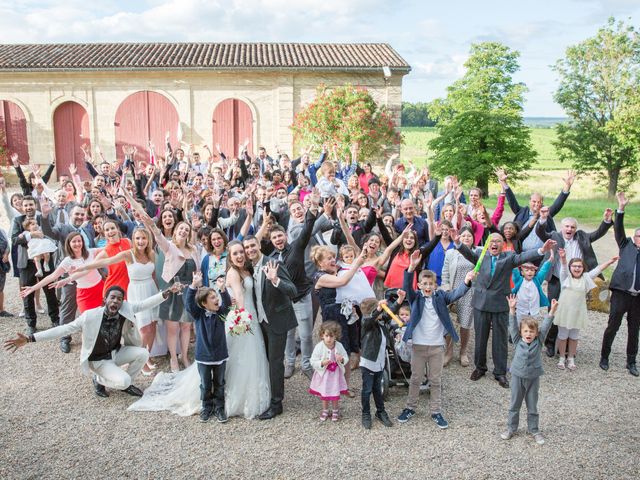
54 98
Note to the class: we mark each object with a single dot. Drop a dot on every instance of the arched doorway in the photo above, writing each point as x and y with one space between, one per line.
145 116
232 125
70 132
13 130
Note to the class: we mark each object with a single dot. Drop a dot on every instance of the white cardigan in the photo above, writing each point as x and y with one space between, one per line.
321 352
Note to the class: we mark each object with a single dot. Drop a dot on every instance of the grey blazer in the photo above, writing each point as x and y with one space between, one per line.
490 294
527 358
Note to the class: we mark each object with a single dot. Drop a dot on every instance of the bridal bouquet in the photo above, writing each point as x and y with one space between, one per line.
238 322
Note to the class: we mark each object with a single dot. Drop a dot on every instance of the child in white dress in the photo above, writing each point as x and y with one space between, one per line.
38 249
571 316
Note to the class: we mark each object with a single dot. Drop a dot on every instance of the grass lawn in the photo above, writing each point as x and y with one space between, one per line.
587 200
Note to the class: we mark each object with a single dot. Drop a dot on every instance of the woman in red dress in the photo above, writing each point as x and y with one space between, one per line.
118 274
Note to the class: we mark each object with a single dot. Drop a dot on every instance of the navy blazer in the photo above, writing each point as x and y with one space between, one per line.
440 301
420 226
522 214
211 340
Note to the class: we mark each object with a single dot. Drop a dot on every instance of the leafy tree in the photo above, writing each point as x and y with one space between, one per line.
346 115
480 122
599 82
416 115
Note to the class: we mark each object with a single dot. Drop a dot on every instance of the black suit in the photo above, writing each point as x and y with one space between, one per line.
28 275
623 298
280 318
584 240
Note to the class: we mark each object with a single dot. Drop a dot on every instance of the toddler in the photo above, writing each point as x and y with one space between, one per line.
375 338
38 249
328 361
526 368
572 308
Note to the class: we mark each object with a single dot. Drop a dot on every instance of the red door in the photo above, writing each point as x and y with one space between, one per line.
71 131
232 125
13 131
145 116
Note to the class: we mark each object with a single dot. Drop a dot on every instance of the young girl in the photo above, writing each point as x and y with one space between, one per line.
39 249
572 304
328 361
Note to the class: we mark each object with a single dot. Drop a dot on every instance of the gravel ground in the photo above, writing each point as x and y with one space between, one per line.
54 426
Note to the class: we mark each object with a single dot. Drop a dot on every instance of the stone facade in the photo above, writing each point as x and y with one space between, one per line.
273 97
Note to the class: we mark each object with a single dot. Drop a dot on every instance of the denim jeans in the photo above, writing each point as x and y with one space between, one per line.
371 383
302 309
212 386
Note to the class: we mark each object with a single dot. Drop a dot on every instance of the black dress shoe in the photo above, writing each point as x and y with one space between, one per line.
99 389
384 418
633 370
268 414
604 364
502 381
551 351
221 416
366 421
477 374
133 391
65 346
30 330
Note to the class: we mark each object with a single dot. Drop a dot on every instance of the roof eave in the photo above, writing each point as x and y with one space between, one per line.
401 70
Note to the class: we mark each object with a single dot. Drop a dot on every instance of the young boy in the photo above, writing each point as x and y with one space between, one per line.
374 340
429 323
528 288
526 368
207 308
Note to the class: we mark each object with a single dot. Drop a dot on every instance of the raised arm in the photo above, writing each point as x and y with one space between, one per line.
57 273
618 224
105 261
333 281
564 194
382 259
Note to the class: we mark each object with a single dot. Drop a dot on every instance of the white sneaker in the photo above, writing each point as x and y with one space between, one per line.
560 364
507 435
539 438
571 364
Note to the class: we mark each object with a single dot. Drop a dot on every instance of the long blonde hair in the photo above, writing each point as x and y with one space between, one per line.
187 242
148 251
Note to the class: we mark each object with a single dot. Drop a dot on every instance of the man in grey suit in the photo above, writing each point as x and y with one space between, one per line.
274 292
491 309
59 232
625 292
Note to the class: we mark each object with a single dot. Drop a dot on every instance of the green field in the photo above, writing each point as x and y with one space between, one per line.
587 200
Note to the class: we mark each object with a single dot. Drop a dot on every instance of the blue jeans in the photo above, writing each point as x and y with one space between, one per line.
371 383
212 386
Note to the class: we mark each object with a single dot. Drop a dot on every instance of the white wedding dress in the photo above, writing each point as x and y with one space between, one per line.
247 391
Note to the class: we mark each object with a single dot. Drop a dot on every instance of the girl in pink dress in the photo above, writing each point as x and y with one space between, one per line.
328 362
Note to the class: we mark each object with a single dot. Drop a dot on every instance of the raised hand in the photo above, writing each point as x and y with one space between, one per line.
73 170
271 271
407 230
608 214
14 159
196 281
548 245
553 307
513 301
622 201
501 174
562 253
329 205
401 295
45 209
415 259
569 179
544 213
3 184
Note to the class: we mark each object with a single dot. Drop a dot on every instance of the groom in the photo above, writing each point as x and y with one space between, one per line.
274 290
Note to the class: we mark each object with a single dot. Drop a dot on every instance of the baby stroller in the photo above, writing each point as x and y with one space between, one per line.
397 368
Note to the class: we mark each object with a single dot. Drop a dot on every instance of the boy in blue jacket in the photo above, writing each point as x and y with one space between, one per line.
429 323
528 288
207 309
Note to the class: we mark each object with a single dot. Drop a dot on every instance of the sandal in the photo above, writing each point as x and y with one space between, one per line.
335 415
324 415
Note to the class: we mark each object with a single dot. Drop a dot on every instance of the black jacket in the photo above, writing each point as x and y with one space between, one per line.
372 331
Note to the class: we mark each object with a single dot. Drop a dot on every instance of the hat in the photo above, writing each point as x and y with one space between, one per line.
528 265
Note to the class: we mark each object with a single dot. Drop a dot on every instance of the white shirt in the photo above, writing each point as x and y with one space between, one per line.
90 278
429 330
528 299
378 365
532 241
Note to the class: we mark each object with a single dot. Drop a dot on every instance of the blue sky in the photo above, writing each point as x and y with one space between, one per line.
433 36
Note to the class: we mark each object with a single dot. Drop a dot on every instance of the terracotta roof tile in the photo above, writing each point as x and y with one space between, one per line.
144 56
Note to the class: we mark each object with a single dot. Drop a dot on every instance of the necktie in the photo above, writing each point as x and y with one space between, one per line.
636 284
61 216
493 265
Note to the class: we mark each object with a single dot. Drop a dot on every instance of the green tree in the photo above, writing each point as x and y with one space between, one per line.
480 122
599 83
416 115
346 115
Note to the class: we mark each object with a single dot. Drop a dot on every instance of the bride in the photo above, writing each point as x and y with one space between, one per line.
247 371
